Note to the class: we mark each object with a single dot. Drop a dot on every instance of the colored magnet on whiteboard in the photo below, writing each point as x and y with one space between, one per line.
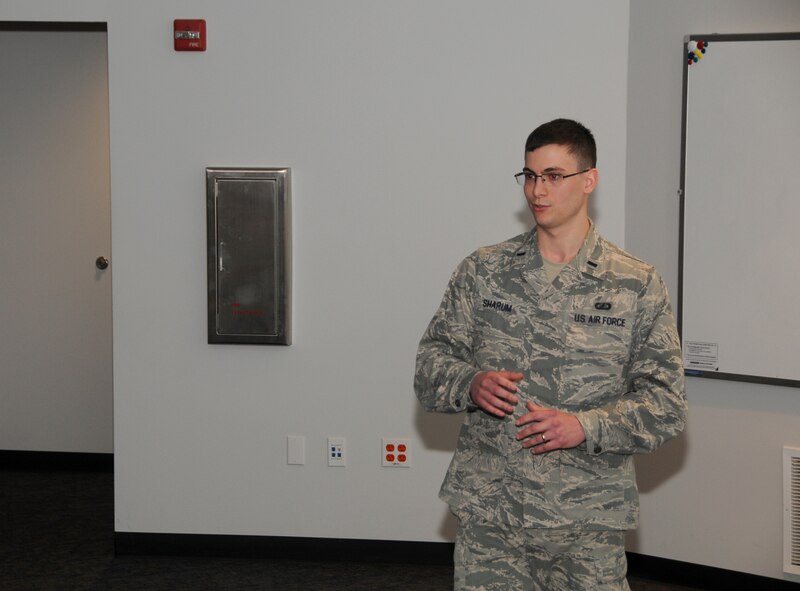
695 51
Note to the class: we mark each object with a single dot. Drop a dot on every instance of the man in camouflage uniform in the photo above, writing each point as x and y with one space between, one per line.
562 349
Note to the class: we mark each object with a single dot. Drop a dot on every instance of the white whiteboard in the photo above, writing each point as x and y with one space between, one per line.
739 302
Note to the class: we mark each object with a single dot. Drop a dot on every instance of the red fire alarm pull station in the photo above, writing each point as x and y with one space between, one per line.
190 35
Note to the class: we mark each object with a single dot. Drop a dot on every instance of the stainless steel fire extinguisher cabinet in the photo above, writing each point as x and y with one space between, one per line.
249 255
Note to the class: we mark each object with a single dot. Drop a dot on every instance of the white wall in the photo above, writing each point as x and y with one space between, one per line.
714 496
403 124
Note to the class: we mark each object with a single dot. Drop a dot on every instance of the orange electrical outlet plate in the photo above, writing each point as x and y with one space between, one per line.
190 35
395 453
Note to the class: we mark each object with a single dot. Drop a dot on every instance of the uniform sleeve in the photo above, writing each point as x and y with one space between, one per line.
444 368
654 407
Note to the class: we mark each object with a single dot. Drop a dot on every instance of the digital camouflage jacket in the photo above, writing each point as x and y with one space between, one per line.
599 342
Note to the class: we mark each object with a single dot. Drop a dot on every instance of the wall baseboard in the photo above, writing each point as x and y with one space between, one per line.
280 547
56 460
349 550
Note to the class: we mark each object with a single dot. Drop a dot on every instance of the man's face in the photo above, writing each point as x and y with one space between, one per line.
563 206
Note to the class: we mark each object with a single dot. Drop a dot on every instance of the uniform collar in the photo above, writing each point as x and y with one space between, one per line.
588 261
590 255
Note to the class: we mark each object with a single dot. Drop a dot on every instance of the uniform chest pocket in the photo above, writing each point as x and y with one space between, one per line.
597 340
498 332
600 327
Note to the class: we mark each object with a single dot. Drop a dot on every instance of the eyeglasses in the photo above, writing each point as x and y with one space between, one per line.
552 179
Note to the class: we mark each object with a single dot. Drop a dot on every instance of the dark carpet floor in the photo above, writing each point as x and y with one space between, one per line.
56 533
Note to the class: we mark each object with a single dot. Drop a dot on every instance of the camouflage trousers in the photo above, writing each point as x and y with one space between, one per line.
496 557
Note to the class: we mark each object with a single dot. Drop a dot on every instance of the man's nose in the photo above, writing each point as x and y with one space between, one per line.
539 186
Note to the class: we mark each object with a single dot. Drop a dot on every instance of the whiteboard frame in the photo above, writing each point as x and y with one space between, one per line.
726 373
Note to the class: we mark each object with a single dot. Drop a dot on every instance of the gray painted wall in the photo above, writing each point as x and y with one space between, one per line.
714 496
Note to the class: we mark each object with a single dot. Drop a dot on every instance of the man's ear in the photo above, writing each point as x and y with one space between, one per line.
590 182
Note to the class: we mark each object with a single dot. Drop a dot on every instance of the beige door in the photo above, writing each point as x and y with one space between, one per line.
55 304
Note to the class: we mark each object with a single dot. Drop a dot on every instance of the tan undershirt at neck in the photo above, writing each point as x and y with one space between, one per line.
552 269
